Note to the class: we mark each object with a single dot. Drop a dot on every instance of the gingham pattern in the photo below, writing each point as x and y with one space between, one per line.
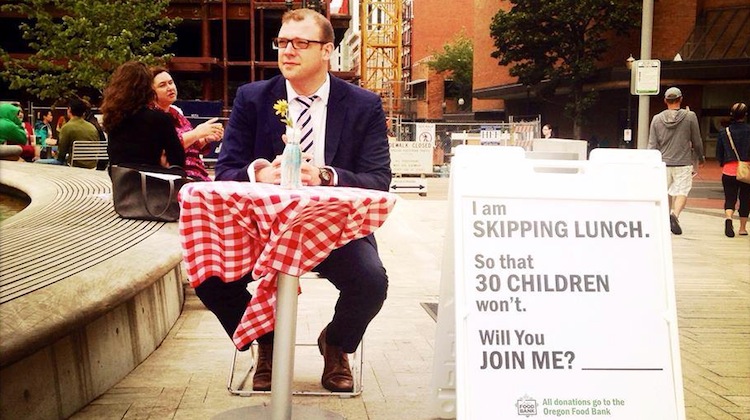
228 228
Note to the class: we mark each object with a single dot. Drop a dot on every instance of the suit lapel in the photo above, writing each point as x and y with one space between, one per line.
274 127
335 117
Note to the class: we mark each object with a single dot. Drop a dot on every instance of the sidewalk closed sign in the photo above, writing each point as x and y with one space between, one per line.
414 157
564 297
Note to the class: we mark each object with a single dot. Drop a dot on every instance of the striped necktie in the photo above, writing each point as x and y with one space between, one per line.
304 122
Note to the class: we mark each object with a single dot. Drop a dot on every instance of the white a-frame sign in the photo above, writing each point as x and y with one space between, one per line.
557 296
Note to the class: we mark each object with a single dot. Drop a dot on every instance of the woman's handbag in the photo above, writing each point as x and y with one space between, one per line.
147 192
743 168
743 171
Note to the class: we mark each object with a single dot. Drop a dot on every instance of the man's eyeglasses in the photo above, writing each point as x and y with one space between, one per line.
297 43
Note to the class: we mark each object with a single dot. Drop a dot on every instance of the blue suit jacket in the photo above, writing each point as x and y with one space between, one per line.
356 142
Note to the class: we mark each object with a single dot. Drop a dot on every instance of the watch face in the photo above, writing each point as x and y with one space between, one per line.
325 176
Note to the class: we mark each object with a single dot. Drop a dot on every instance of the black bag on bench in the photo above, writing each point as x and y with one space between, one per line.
147 192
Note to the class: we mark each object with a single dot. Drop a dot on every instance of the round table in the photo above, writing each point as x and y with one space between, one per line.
228 227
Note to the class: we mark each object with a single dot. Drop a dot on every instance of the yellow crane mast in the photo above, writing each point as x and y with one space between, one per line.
380 23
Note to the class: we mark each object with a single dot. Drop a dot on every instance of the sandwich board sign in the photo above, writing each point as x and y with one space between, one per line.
558 296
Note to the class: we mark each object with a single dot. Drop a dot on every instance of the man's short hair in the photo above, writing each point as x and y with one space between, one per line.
297 15
78 107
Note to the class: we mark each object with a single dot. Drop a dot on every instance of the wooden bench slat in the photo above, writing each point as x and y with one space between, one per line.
77 230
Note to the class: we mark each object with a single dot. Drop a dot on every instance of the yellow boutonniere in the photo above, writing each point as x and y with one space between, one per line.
282 109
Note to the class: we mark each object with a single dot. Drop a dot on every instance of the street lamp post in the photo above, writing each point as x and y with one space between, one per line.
647 26
628 132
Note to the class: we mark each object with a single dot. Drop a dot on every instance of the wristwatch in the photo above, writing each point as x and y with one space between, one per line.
326 177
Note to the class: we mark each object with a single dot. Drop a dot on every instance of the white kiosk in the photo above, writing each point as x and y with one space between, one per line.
557 294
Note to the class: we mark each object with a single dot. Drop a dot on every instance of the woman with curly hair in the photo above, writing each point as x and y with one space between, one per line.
138 134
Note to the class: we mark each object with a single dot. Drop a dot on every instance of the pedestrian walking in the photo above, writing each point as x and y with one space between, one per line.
733 145
675 133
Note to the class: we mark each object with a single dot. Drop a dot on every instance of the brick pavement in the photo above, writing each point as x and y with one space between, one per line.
186 377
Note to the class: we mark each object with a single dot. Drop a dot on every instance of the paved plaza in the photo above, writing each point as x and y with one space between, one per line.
186 377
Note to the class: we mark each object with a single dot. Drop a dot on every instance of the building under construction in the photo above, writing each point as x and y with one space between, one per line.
226 43
222 44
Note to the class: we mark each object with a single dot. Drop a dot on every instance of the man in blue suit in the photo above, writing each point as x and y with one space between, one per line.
349 149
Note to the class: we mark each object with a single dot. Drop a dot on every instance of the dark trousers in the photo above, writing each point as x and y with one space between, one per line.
356 271
734 190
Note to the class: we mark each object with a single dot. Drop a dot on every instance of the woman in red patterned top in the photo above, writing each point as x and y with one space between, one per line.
194 140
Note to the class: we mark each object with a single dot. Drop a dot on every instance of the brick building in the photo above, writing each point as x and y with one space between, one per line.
429 25
225 43
704 48
222 44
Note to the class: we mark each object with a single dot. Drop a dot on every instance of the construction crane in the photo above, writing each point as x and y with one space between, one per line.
380 26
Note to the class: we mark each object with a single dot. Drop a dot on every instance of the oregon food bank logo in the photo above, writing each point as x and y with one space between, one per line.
526 406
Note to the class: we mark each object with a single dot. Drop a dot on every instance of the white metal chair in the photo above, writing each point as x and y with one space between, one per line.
241 384
88 151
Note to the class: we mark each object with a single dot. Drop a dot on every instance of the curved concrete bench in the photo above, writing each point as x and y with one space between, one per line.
85 296
10 151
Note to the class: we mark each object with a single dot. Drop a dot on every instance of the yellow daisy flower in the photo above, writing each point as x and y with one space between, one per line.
282 109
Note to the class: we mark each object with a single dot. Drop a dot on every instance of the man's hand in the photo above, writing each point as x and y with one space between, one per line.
269 174
310 173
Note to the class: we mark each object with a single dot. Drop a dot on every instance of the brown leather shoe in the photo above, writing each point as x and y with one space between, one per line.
337 376
263 368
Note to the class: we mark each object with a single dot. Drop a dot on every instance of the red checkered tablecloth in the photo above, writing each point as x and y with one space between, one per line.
228 228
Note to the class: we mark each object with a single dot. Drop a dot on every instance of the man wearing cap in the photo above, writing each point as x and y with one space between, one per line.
675 133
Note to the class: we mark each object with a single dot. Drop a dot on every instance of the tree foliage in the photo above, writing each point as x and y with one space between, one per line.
559 42
457 59
78 43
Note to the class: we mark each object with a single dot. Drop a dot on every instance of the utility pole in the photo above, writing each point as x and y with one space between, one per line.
647 26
